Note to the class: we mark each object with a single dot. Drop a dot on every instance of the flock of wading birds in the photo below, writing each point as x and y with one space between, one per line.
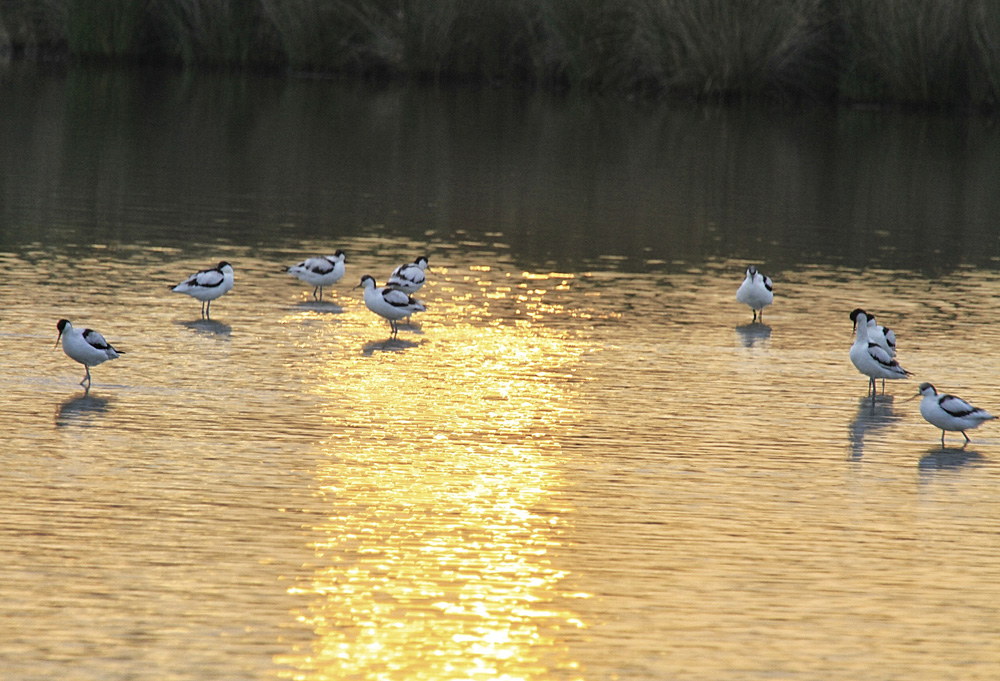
873 352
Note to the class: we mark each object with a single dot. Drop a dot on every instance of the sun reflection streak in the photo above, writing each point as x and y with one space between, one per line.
444 492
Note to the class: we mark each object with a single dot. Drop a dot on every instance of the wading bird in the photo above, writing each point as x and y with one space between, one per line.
389 302
948 412
872 359
324 270
207 285
87 347
410 277
755 291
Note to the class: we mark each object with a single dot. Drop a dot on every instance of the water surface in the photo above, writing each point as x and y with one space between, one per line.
582 462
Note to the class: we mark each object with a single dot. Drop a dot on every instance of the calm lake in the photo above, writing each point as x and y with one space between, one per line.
581 462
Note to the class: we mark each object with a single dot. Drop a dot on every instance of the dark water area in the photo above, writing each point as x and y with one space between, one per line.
564 181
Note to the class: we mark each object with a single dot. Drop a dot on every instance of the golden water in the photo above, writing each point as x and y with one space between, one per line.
530 482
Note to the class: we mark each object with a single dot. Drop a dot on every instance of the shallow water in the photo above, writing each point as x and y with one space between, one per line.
582 462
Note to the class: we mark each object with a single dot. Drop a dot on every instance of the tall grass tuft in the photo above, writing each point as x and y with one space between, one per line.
725 48
907 51
32 26
984 63
219 32
110 29
357 36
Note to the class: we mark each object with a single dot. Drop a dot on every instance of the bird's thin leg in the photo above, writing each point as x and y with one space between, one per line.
942 438
883 386
86 378
967 440
754 316
320 292
208 310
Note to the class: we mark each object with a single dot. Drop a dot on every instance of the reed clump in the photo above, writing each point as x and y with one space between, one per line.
925 52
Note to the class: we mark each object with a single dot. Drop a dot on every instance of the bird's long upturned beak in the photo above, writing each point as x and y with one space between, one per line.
57 341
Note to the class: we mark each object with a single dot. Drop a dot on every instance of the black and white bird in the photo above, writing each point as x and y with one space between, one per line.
207 285
756 291
389 302
948 412
86 346
877 333
323 270
410 277
870 358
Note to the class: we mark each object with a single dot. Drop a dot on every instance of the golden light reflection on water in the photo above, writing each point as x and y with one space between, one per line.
450 501
443 486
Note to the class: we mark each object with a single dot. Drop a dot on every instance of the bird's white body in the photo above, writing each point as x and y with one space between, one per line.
410 277
882 336
389 302
948 412
756 291
86 346
877 333
324 270
207 285
871 359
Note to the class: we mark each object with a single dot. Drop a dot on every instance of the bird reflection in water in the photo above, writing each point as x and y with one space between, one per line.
319 306
946 459
81 409
751 334
872 416
388 345
209 327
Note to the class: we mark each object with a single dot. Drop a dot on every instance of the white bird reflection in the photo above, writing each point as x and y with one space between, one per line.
872 416
946 459
209 327
753 333
388 345
319 306
81 409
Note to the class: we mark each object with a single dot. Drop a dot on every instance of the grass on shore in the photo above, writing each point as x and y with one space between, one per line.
926 52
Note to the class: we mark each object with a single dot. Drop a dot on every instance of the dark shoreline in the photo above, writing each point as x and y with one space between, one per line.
930 55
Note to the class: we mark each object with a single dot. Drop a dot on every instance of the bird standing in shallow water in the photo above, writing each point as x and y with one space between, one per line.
755 291
948 412
872 359
877 334
207 285
324 270
87 347
389 302
410 277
